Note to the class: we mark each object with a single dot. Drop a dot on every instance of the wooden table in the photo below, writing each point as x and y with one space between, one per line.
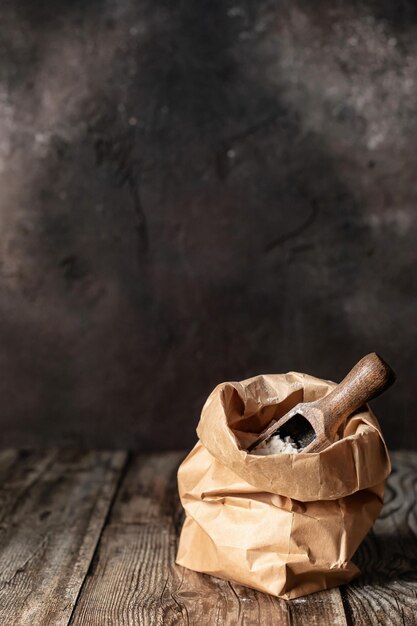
89 538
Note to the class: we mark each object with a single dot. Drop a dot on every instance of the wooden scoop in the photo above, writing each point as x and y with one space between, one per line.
313 425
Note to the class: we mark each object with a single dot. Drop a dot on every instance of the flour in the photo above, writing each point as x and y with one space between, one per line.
276 445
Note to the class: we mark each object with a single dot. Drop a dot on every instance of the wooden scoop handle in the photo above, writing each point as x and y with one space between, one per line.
366 380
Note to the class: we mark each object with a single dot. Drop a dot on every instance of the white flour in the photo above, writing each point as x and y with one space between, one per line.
276 445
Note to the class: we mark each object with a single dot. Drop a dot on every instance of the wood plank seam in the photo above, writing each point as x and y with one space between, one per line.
91 568
48 537
94 543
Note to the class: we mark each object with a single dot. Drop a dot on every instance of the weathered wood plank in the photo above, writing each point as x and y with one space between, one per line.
209 600
318 609
53 508
135 580
386 593
133 577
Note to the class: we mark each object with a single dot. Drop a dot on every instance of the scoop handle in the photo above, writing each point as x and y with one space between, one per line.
366 380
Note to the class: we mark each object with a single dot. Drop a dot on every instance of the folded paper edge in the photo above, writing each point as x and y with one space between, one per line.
360 472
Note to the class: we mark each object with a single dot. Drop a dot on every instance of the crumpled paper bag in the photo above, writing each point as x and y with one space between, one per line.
284 524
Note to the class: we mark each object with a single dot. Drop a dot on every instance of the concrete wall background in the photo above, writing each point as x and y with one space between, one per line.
194 192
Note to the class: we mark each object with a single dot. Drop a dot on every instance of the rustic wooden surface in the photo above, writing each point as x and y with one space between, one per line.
89 539
52 510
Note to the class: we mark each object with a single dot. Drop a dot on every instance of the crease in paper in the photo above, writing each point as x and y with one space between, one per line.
284 524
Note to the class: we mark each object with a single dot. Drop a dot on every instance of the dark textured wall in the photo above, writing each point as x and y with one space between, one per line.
194 192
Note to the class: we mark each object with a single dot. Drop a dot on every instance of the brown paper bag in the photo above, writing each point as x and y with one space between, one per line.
286 524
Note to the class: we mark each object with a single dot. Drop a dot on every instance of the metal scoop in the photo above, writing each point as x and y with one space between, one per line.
313 425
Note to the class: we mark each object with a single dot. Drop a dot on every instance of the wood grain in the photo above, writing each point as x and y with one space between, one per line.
314 425
53 506
135 581
370 377
386 593
55 571
133 576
